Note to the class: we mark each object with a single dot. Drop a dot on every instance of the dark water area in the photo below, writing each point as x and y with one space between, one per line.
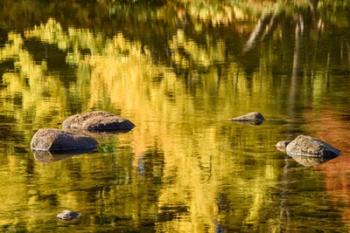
178 70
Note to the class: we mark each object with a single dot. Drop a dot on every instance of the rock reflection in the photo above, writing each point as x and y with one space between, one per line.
311 161
253 123
48 157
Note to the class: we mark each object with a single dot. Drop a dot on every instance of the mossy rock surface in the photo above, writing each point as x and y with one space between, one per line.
98 121
311 147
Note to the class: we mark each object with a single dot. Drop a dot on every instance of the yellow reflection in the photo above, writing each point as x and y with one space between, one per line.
123 72
183 116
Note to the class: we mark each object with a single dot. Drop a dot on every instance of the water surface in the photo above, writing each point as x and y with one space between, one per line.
178 71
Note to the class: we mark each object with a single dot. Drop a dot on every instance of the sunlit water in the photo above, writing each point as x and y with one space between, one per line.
179 73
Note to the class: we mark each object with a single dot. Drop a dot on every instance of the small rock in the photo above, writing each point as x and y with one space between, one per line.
252 118
282 145
68 215
98 121
58 141
312 147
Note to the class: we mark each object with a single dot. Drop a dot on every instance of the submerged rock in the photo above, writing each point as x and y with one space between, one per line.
58 141
68 215
98 121
255 118
282 145
311 147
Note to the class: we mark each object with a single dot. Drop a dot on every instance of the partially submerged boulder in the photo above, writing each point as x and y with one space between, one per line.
251 118
59 141
282 145
98 121
311 147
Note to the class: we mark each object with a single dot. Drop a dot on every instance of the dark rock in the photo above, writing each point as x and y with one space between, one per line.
255 118
68 215
98 121
58 141
311 147
282 145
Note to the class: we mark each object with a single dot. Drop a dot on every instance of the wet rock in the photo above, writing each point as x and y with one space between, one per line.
282 145
311 147
255 118
58 141
68 215
98 121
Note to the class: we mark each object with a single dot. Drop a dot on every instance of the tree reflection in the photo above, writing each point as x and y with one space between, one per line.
178 70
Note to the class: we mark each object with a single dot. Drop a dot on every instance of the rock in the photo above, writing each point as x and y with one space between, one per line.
58 141
282 145
255 118
98 121
68 215
311 147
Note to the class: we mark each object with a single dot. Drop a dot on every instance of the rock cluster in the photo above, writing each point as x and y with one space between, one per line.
50 144
74 136
306 150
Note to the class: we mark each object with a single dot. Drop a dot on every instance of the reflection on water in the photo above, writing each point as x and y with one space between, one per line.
178 71
310 161
48 157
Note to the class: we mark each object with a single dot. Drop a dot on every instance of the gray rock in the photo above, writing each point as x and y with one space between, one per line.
282 145
98 121
68 215
312 147
58 141
251 118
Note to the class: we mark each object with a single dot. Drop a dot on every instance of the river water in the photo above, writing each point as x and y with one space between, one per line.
179 70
